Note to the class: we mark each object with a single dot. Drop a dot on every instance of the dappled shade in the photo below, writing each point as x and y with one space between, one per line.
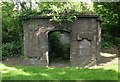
44 73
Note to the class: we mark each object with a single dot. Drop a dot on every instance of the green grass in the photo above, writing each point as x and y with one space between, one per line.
46 73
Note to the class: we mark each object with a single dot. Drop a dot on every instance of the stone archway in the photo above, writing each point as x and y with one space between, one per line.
84 39
59 47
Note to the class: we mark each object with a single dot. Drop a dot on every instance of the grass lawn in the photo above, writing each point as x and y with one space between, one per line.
68 73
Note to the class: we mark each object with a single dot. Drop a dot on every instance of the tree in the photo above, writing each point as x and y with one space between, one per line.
109 13
11 30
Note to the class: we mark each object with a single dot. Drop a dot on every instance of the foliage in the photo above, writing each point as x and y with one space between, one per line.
8 22
11 49
12 20
11 30
54 45
110 26
56 48
14 13
64 11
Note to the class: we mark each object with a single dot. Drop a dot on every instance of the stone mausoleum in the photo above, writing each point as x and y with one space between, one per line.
84 36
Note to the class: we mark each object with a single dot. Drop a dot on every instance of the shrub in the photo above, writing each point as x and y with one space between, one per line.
10 49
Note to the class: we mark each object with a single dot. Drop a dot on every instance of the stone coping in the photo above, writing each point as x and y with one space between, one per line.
48 17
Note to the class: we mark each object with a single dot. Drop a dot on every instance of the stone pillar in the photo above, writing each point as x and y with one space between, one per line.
36 41
84 41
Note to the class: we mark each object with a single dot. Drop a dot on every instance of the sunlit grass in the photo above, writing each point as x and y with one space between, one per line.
46 73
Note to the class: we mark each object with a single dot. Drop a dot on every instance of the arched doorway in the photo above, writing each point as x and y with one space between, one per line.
59 47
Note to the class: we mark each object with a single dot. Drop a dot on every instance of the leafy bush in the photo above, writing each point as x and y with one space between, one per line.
12 31
109 41
64 11
10 49
108 11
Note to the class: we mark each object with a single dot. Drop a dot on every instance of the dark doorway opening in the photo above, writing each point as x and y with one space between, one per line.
59 48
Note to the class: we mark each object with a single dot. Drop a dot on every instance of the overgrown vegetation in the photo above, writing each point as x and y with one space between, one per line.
64 11
12 39
13 14
11 30
109 13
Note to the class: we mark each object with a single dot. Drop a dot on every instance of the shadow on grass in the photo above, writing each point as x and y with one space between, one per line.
44 74
105 59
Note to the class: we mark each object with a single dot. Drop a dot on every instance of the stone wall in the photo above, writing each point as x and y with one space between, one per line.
84 40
